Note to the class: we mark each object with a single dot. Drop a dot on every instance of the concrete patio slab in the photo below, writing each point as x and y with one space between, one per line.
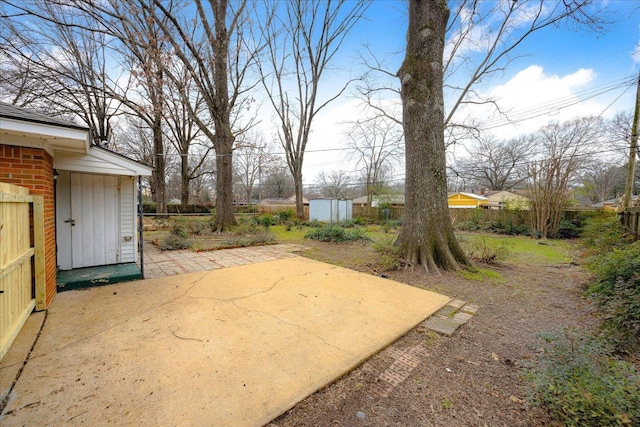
230 347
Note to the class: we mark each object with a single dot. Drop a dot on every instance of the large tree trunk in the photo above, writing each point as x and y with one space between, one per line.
297 183
185 180
159 167
223 142
224 189
427 234
185 177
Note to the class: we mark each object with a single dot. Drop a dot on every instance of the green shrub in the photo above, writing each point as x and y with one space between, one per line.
245 228
569 229
616 289
179 228
174 242
258 239
617 264
621 315
603 233
196 227
389 253
265 220
359 220
468 226
336 234
581 384
285 215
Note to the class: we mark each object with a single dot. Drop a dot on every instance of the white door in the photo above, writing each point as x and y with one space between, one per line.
95 220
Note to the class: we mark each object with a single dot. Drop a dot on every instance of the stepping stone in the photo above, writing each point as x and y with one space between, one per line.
443 326
450 317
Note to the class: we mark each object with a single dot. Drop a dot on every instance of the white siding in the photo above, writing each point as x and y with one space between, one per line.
88 163
127 219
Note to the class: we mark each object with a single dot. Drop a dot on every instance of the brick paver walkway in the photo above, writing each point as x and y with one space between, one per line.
159 263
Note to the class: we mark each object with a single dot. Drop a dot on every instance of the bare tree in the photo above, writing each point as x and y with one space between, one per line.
497 165
335 185
567 148
208 41
427 235
376 145
145 52
252 157
57 62
184 133
278 182
599 179
303 39
134 138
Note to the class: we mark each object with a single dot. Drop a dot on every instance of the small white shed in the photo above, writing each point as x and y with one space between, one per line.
96 208
330 210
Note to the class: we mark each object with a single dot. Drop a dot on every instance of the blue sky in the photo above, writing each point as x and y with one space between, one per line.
556 63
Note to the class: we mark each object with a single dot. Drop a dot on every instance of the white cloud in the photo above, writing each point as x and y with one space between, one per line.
533 98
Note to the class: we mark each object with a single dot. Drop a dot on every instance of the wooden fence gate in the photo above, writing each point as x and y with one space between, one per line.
22 281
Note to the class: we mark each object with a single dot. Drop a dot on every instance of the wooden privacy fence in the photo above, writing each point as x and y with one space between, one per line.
21 254
630 218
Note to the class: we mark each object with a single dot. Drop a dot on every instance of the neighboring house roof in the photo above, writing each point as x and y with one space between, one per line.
362 200
506 200
499 196
390 199
471 196
289 201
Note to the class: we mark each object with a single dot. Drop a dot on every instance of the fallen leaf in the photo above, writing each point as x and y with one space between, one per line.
494 356
516 399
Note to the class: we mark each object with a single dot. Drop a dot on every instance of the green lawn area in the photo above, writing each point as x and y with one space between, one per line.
522 248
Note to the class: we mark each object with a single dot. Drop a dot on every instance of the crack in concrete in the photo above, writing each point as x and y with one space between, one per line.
251 310
124 321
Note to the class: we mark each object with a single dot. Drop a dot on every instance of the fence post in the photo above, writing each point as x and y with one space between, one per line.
38 246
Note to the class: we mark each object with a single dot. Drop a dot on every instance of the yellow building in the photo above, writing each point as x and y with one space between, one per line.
467 201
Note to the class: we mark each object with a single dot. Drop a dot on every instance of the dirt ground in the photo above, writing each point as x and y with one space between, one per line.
475 377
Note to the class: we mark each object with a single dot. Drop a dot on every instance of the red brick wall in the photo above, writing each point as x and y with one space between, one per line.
33 168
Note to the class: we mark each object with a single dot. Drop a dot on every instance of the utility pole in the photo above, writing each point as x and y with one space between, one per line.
633 150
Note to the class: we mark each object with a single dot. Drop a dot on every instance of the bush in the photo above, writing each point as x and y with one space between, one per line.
569 229
196 227
583 385
174 242
389 253
285 215
616 289
245 228
336 234
468 226
359 220
603 233
179 229
257 239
